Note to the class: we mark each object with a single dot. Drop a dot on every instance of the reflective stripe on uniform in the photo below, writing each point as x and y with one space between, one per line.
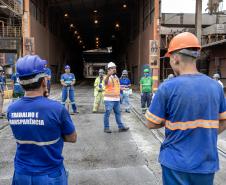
153 118
192 124
46 143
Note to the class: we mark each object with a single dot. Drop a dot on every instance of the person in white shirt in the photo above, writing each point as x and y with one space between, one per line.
217 77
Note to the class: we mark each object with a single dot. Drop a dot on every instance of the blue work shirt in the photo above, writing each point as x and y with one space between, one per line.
38 125
124 83
17 87
191 107
49 73
67 78
2 83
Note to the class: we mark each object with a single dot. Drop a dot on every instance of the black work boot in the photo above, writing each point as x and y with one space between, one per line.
107 130
124 129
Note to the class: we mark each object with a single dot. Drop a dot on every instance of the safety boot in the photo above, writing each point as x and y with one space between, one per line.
124 129
107 130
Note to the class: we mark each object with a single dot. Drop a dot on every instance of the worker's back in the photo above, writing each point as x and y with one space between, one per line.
38 125
191 106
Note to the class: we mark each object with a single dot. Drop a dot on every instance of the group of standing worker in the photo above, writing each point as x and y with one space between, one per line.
146 83
191 107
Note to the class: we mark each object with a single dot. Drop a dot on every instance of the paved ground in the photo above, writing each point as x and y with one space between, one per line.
99 158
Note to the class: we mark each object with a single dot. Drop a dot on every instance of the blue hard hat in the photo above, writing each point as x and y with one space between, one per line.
30 65
67 67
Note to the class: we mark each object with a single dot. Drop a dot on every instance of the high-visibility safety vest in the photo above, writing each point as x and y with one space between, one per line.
112 89
99 85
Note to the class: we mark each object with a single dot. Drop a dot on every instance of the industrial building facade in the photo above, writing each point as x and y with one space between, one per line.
50 29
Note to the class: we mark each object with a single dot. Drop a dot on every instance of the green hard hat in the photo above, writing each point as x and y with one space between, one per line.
146 70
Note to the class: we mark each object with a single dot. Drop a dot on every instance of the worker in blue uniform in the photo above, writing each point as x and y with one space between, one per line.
192 109
68 81
18 91
40 127
2 88
49 73
125 90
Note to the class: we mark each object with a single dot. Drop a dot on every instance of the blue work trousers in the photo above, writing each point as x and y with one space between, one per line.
125 101
173 177
59 177
145 100
71 92
115 105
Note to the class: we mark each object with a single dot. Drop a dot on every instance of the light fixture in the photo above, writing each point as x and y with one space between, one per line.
76 32
72 25
66 15
117 25
78 37
124 6
96 21
80 41
95 11
97 38
83 47
3 6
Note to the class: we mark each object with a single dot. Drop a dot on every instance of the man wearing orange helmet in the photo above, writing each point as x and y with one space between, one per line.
191 107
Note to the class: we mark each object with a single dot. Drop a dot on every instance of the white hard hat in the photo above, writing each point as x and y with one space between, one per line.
216 75
101 71
111 64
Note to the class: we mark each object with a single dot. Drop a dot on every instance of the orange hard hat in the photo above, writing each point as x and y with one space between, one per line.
182 41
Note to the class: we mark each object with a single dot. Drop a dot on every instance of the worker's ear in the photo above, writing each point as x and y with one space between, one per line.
176 59
44 82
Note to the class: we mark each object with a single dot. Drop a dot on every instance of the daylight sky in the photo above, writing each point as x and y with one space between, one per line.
183 6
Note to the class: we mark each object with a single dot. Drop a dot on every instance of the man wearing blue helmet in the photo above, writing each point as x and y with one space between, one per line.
2 88
40 127
68 81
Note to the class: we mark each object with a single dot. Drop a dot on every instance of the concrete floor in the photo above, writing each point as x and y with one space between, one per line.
98 158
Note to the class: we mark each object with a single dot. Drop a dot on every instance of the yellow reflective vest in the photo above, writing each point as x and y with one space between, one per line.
97 86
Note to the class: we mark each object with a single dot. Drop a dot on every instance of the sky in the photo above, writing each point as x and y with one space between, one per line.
183 6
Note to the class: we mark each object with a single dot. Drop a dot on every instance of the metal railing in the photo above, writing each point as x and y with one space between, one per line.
8 44
13 5
10 31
